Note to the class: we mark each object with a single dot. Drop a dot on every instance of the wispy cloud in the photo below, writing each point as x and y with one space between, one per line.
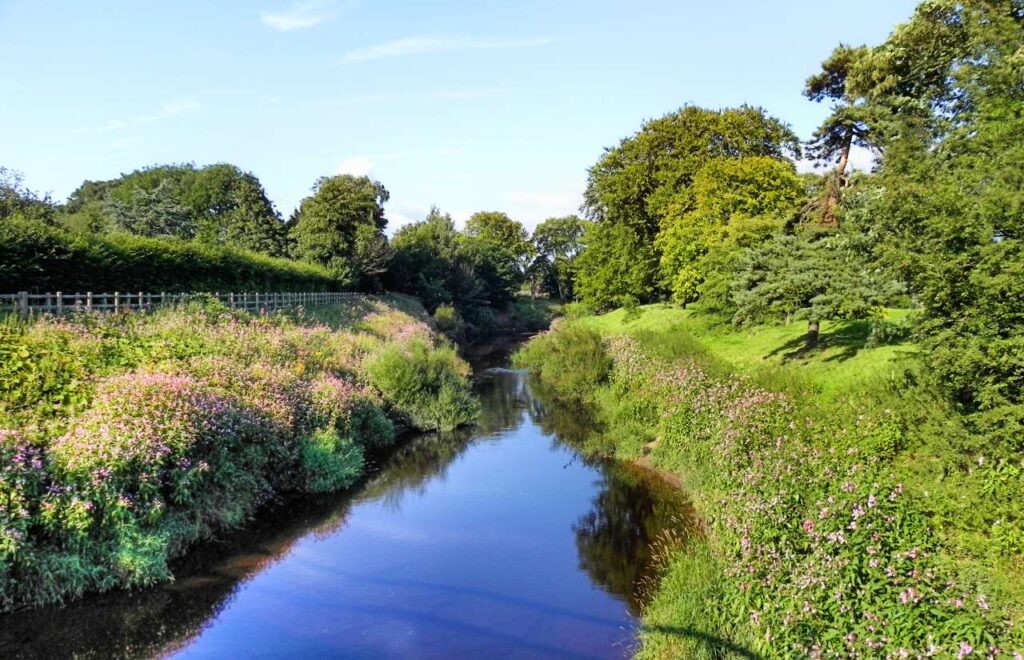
440 95
364 164
168 111
300 16
421 45
356 166
532 207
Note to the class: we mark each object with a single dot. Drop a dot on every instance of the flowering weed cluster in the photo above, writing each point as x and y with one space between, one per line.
128 438
822 551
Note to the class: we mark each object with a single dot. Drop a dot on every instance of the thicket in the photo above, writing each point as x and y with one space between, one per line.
126 438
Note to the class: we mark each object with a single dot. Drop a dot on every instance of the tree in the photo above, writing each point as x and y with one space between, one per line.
153 213
618 267
559 241
847 126
16 199
949 206
224 206
733 203
635 183
813 277
329 220
503 234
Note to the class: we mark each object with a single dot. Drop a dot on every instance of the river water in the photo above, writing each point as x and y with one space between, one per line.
501 541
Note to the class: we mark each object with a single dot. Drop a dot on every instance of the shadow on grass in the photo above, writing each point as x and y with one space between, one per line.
718 646
848 338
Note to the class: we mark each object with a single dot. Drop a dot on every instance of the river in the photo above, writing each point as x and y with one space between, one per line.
500 541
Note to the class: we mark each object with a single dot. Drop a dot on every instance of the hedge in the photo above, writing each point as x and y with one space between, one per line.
38 258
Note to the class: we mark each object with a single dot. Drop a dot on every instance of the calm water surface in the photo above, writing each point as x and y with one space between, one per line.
497 542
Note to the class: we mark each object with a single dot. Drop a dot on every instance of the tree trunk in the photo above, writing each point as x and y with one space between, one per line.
813 329
835 185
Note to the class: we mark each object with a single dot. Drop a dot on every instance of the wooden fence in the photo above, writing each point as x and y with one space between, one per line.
25 304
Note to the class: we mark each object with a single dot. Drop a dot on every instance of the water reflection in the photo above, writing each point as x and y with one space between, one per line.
469 543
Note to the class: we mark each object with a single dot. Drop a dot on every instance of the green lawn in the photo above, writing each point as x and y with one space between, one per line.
842 362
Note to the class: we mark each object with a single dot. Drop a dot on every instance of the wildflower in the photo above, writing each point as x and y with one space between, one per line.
983 602
965 650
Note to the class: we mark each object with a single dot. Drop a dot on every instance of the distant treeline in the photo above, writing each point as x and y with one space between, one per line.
189 228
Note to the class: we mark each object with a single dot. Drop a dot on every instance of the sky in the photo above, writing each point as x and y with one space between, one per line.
466 105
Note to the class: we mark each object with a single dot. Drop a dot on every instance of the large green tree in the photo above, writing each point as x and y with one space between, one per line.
558 241
950 206
329 222
634 185
733 203
217 204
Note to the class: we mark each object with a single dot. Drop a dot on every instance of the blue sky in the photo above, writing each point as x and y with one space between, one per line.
482 105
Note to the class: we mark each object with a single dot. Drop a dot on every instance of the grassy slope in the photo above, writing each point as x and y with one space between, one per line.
843 363
843 372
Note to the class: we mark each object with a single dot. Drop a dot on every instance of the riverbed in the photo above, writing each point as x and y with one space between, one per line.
498 541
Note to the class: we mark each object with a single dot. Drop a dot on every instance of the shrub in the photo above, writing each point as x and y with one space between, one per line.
427 386
330 462
354 412
571 358
153 443
448 320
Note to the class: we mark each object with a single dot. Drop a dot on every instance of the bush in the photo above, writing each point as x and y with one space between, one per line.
36 257
448 320
427 386
330 462
571 358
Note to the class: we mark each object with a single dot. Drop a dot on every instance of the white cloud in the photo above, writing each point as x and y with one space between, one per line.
356 166
168 111
299 17
533 207
420 45
454 95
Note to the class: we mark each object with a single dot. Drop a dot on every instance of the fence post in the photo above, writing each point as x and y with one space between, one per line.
117 301
60 303
23 304
88 301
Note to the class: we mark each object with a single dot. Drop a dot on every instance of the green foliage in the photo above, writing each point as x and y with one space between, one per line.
126 438
328 223
732 204
815 542
427 386
808 277
648 176
330 462
616 266
448 321
442 266
570 358
560 240
217 205
36 257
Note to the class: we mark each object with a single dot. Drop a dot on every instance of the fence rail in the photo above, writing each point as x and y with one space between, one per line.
25 304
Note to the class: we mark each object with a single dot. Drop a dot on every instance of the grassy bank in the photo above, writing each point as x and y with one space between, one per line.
124 439
846 513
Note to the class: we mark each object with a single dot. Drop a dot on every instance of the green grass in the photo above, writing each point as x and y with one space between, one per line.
842 364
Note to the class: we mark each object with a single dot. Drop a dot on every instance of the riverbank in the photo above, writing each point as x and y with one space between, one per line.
829 484
127 438
498 538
